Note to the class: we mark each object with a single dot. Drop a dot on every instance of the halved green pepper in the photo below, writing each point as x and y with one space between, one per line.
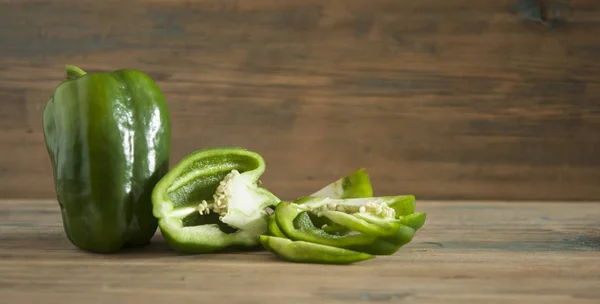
108 137
211 201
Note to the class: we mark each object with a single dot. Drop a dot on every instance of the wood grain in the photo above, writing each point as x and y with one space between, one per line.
473 252
441 99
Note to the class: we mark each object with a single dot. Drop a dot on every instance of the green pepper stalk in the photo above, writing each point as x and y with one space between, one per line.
108 138
211 201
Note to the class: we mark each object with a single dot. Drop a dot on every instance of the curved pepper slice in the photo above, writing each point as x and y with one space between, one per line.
273 229
414 221
294 221
357 224
306 252
354 185
211 201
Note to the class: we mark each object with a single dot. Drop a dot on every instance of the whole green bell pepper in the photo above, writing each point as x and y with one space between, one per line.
211 201
108 137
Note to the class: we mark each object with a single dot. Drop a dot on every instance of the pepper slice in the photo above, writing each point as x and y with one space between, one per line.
294 221
414 221
342 215
306 252
211 201
273 229
351 222
354 185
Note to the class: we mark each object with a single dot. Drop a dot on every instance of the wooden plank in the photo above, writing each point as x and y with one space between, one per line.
479 252
442 99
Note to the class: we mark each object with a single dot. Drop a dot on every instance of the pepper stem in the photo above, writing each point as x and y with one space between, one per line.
74 72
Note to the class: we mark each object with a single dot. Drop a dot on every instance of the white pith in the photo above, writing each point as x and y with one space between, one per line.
237 201
373 206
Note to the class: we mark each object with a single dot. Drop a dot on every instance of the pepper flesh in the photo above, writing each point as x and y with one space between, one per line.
354 185
343 215
273 229
210 201
293 220
108 138
306 252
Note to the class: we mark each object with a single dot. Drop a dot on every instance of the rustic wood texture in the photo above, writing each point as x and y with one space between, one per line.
467 252
441 99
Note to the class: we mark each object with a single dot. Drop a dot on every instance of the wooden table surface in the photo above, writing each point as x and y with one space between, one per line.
468 252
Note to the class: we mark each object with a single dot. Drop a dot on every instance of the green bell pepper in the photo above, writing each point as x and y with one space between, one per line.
108 137
211 201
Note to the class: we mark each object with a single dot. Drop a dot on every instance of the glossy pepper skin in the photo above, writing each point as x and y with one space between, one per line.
108 138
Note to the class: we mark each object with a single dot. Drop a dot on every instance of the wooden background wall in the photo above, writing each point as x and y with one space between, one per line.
442 99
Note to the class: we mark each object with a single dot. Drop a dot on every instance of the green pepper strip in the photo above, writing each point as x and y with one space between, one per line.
296 224
293 234
359 225
414 221
306 252
273 229
354 185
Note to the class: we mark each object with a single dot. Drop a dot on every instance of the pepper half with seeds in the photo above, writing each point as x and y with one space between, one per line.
211 201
